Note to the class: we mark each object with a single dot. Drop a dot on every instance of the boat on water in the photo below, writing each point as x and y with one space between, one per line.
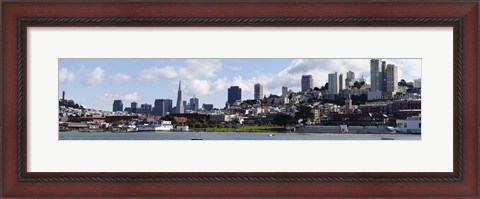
155 126
130 126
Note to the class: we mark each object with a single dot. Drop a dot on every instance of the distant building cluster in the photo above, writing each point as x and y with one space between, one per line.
346 100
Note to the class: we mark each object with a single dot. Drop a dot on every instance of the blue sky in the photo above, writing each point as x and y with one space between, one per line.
95 83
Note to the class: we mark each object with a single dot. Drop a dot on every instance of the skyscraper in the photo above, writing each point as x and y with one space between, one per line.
117 105
146 107
207 107
350 75
340 81
179 99
63 97
376 75
194 103
383 81
391 74
258 91
133 107
417 83
162 107
349 81
307 82
333 83
234 94
284 91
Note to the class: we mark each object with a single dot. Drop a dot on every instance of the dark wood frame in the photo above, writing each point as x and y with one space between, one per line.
463 16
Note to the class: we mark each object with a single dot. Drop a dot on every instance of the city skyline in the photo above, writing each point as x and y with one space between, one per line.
96 83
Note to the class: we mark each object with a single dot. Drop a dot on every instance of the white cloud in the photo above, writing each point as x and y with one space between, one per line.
235 68
198 87
194 69
116 96
65 76
200 68
95 77
154 73
121 77
200 77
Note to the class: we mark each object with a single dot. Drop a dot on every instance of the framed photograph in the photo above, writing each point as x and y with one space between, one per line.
245 99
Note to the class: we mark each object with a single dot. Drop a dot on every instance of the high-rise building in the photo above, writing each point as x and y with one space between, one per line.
350 80
63 97
376 75
284 91
207 107
340 81
384 76
133 107
333 83
117 105
147 107
162 107
193 103
307 83
391 74
417 83
234 94
185 106
350 75
258 91
179 99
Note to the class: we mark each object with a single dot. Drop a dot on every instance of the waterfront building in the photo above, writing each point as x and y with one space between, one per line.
284 91
194 103
333 83
234 94
133 107
391 78
417 83
117 105
376 74
411 124
180 107
307 83
258 91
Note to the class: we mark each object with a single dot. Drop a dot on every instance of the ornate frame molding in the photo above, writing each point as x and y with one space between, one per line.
23 23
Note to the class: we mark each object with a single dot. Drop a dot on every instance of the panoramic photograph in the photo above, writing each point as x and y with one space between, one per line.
239 99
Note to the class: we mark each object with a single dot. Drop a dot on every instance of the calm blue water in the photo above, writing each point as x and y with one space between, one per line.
229 136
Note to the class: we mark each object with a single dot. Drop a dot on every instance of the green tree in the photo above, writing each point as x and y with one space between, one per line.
304 113
283 119
169 118
324 88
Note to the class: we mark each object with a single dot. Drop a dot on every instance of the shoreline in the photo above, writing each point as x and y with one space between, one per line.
231 132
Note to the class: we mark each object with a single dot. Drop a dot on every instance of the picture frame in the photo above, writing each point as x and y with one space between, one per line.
17 182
